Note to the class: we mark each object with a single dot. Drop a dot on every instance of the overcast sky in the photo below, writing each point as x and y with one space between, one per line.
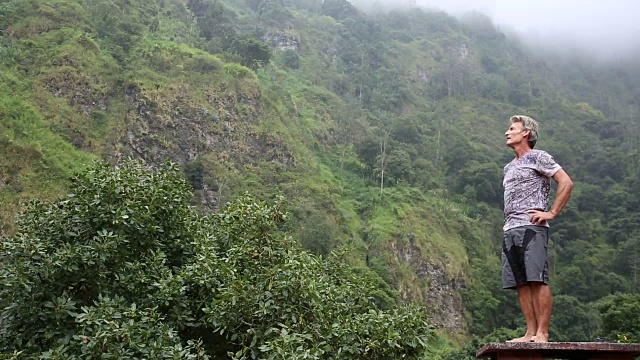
608 28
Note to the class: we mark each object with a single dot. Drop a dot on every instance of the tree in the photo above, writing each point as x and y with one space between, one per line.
573 320
112 250
125 268
273 12
383 156
619 317
316 234
291 59
628 261
253 52
400 167
114 23
480 182
6 8
339 9
368 150
214 21
309 5
198 8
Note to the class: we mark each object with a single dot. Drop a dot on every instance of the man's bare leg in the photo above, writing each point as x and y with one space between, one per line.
542 303
525 295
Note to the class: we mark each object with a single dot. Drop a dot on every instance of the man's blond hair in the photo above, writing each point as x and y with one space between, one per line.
528 123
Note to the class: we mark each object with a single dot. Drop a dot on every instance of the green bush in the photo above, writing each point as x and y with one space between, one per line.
125 268
619 318
239 71
291 59
253 52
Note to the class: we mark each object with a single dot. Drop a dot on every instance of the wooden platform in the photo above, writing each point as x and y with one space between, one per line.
559 350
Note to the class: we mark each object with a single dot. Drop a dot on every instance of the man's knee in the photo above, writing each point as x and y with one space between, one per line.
537 284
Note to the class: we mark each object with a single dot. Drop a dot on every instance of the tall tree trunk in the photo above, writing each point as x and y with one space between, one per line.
383 157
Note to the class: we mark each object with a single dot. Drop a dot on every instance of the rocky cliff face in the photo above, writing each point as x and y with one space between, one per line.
177 129
281 40
436 289
184 125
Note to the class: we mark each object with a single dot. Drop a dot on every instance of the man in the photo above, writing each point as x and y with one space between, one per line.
526 229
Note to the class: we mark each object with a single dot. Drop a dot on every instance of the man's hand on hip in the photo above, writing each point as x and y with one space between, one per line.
540 217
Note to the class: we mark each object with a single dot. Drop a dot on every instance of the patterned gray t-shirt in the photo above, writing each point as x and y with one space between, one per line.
526 187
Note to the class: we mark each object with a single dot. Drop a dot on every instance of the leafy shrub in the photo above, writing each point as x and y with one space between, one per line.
125 268
253 52
203 64
619 318
239 71
291 59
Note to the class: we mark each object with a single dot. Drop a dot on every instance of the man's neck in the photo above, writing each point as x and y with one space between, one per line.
521 149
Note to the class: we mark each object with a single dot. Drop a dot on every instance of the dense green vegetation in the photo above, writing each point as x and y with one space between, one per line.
125 268
382 131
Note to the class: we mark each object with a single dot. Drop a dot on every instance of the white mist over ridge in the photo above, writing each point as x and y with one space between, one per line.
606 30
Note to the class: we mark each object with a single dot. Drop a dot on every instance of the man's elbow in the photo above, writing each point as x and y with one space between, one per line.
568 183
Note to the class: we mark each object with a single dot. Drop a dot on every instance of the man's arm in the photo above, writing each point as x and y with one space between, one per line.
565 185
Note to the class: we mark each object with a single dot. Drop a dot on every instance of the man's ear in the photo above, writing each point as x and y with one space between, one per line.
526 133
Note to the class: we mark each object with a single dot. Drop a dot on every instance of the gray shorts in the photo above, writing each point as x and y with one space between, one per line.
524 256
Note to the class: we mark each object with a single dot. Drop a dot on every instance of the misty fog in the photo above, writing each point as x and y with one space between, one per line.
605 30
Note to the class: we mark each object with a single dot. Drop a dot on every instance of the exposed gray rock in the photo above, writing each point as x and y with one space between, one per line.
210 197
463 52
442 297
424 76
181 131
281 41
79 92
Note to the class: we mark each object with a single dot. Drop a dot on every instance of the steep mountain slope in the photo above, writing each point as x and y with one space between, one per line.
384 132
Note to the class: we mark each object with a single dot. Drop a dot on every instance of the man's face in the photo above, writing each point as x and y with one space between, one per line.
516 135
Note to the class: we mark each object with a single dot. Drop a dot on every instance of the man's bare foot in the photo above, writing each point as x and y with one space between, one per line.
540 338
526 338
